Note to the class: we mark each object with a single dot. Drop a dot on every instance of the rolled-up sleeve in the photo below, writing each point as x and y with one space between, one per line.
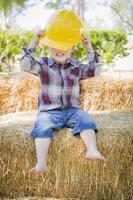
29 63
90 69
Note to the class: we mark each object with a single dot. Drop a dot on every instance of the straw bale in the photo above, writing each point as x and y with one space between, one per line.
36 198
69 174
19 92
102 93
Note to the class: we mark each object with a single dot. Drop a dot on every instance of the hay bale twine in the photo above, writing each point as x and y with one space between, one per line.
69 174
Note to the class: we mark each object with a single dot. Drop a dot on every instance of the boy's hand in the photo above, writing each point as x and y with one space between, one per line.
36 39
38 35
87 43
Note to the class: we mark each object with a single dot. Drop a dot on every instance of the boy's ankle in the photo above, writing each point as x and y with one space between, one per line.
91 148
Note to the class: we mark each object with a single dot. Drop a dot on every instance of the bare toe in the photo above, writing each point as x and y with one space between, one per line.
37 170
95 155
32 171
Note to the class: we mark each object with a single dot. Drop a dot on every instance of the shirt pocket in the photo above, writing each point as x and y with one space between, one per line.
74 73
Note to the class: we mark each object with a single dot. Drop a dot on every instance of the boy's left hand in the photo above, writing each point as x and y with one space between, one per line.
86 43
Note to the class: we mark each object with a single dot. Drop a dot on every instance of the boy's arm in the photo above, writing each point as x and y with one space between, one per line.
90 69
28 62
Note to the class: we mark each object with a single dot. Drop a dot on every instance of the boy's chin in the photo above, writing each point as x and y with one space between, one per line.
60 60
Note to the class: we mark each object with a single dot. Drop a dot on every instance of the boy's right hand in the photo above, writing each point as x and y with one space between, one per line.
38 35
36 39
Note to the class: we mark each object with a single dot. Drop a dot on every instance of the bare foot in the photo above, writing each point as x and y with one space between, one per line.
39 168
94 155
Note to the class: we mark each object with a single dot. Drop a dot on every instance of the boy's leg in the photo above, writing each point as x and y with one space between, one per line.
81 122
42 133
89 138
42 146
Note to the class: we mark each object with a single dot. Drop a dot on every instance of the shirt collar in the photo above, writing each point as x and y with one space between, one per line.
71 61
51 61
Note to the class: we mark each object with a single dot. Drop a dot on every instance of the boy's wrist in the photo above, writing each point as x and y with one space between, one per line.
31 50
33 44
90 55
89 49
36 39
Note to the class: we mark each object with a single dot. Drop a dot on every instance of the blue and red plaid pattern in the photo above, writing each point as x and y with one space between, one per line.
59 82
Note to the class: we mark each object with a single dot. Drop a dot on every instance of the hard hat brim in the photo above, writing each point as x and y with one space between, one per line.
58 44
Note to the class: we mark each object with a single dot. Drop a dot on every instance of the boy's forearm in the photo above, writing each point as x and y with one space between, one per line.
33 44
89 49
90 69
30 66
28 62
87 43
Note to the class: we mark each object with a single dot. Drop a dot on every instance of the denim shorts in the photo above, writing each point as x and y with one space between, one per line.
64 117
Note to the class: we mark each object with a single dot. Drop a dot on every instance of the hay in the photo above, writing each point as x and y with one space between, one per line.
19 92
36 198
69 174
101 93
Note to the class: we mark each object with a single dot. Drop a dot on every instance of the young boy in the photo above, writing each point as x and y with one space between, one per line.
59 98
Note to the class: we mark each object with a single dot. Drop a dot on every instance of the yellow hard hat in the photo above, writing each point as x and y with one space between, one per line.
63 30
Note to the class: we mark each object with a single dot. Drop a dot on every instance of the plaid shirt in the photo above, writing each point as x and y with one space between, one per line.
59 82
